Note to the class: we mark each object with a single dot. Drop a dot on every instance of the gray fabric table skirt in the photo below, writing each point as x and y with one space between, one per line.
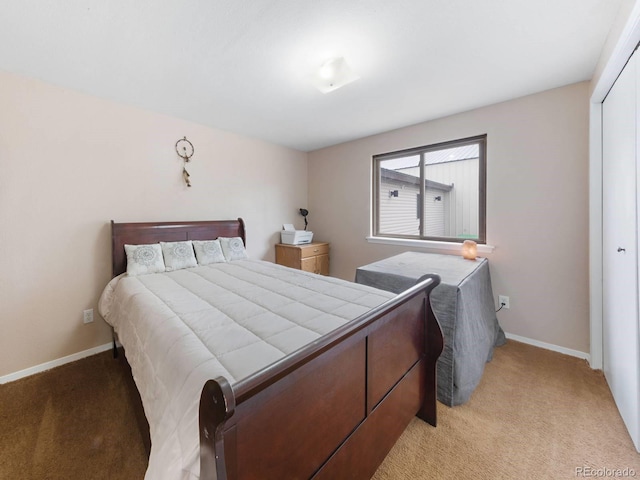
462 303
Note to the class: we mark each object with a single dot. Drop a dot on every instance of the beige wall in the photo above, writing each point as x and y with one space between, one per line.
69 163
537 206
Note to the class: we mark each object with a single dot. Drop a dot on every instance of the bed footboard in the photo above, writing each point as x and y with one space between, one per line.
334 408
220 405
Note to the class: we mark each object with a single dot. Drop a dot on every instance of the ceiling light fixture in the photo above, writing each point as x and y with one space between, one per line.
333 74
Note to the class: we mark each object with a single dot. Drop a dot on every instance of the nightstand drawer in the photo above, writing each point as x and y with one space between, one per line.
313 257
313 250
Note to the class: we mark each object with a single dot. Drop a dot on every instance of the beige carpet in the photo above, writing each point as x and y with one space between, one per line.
536 414
72 422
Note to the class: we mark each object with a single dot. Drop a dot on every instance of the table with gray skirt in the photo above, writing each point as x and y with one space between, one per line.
464 306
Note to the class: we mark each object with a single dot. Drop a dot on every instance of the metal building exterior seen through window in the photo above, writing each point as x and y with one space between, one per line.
435 192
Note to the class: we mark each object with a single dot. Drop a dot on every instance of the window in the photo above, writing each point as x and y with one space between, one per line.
436 192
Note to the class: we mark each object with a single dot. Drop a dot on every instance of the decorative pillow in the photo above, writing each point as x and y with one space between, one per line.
178 255
143 259
209 251
233 248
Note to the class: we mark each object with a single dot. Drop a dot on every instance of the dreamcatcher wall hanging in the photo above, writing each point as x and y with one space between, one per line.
185 151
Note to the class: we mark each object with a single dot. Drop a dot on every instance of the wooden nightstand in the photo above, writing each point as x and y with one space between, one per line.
312 257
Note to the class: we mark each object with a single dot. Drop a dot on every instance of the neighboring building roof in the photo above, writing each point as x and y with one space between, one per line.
410 179
455 154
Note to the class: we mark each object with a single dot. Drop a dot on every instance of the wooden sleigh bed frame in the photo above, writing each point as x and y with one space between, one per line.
334 408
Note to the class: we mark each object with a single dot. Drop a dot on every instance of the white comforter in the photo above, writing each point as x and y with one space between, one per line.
181 328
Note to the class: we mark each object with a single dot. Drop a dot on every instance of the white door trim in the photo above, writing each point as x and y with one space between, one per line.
629 38
595 236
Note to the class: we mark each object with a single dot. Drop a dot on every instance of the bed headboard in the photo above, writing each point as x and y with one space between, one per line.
154 232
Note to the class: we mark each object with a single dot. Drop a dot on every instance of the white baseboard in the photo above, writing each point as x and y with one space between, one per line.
107 346
549 346
54 363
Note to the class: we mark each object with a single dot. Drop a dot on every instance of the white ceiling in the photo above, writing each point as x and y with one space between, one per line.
243 65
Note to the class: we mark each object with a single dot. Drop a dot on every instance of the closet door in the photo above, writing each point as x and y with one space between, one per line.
621 335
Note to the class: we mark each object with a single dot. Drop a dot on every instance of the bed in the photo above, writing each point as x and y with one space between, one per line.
355 364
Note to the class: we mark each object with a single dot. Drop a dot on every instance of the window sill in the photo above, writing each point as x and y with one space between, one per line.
428 244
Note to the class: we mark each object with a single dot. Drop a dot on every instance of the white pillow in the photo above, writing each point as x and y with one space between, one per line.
178 255
208 251
143 259
233 248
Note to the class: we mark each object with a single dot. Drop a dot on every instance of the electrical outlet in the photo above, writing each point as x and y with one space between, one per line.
87 316
503 300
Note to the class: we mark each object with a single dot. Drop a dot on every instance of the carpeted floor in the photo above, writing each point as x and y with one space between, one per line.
72 422
537 414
